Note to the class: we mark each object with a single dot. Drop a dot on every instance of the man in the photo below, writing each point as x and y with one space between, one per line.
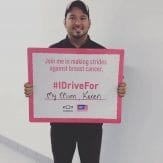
87 136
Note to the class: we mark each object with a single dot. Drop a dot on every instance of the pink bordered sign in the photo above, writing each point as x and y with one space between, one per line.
75 85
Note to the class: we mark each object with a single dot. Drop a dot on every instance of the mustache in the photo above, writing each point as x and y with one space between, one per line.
77 27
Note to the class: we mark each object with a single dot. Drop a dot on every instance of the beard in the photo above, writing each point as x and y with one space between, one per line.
78 34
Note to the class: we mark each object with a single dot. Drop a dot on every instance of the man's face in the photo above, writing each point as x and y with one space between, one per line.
77 23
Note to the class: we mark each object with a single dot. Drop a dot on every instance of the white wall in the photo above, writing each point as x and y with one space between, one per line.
135 26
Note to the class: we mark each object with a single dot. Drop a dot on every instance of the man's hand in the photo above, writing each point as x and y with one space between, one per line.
122 89
28 89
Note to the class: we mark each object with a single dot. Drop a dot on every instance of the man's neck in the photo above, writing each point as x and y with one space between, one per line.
78 42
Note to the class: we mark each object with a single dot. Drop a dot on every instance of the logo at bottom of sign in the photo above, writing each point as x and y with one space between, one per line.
68 108
82 107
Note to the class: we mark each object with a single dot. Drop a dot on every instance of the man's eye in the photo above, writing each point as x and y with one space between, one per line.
83 18
72 18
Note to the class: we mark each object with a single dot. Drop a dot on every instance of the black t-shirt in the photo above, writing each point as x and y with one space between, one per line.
65 43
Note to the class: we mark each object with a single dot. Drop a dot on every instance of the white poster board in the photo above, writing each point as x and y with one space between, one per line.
75 85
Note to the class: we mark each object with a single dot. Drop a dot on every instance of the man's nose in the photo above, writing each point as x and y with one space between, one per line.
77 22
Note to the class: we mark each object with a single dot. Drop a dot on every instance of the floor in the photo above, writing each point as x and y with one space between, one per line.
9 155
11 152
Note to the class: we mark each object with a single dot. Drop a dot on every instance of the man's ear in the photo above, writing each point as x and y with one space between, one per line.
64 22
89 22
